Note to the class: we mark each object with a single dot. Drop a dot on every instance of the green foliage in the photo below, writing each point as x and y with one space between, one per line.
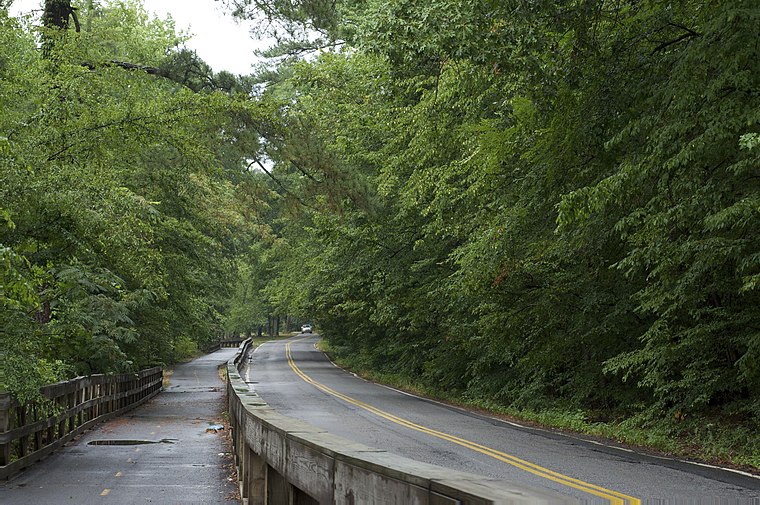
543 207
185 348
122 215
124 31
531 204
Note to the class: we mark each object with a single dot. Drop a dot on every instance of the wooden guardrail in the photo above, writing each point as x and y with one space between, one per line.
283 461
224 344
30 432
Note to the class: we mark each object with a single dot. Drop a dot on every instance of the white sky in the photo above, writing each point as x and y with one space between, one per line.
219 40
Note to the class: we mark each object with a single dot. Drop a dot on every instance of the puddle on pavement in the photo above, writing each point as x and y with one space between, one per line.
132 442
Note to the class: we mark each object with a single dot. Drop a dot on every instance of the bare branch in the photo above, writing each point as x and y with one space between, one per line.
133 66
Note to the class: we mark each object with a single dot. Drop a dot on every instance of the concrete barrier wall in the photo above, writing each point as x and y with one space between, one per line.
281 460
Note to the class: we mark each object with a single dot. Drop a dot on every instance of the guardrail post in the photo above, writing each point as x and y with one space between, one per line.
51 431
23 439
79 400
39 415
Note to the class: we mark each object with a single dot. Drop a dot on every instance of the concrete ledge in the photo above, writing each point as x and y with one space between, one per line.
282 460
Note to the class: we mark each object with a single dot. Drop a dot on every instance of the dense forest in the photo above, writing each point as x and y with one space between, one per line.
548 208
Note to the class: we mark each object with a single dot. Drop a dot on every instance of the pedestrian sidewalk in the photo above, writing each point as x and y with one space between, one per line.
168 451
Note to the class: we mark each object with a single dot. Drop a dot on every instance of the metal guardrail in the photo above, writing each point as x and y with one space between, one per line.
281 460
30 432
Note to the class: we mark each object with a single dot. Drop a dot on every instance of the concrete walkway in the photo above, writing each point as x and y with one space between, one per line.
164 452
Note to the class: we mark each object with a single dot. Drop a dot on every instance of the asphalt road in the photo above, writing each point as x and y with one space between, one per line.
183 463
299 381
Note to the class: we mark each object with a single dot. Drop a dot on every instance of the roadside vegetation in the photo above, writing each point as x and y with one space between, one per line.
549 209
545 208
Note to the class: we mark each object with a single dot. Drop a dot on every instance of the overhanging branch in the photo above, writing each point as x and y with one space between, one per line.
279 183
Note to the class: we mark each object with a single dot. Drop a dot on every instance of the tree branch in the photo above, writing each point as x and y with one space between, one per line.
77 26
304 172
686 29
280 184
689 33
132 66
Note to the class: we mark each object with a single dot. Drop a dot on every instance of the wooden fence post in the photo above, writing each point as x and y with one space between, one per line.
5 420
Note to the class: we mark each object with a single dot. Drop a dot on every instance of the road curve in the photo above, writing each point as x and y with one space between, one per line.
299 381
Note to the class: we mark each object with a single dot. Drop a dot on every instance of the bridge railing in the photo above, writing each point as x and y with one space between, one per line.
281 460
30 432
228 343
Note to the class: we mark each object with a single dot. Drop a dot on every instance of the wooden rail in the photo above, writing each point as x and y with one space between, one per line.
30 432
222 344
235 342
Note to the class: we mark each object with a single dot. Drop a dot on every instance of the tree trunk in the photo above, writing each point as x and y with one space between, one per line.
56 14
56 17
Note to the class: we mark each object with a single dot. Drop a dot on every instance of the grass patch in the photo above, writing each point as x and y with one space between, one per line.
222 372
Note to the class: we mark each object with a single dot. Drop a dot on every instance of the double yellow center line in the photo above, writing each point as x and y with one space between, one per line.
614 497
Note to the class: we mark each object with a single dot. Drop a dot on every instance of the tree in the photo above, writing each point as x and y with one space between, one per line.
530 203
122 220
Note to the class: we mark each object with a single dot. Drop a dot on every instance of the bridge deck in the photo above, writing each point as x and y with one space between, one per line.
163 452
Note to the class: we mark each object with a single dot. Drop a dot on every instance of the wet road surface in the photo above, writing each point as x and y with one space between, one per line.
164 452
298 380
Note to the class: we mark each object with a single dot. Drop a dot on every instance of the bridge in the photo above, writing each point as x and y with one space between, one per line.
295 433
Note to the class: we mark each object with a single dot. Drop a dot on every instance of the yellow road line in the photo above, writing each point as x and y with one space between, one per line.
614 497
105 492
